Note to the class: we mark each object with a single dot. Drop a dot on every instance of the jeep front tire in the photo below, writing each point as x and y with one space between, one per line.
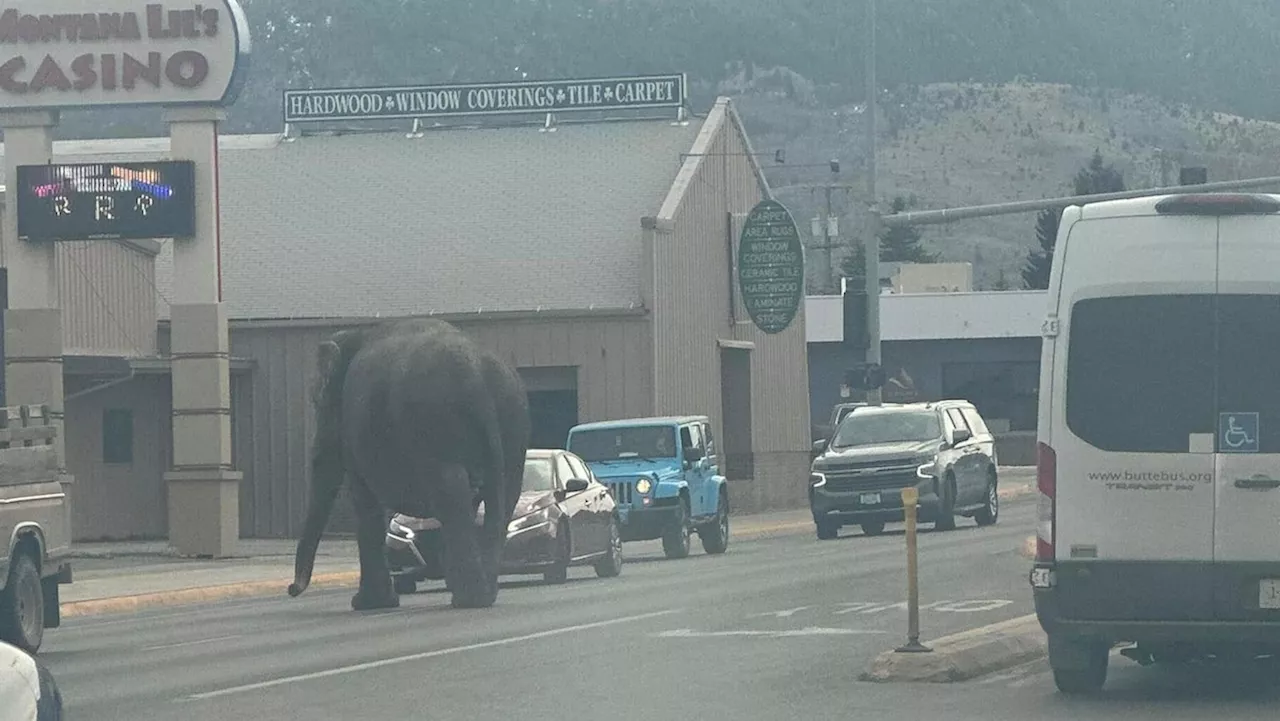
675 539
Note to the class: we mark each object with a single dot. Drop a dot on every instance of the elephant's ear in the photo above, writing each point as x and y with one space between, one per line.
327 356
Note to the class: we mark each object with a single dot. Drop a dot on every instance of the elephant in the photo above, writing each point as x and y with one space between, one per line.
416 419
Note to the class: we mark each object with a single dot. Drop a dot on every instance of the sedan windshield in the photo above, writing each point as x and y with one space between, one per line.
537 475
872 428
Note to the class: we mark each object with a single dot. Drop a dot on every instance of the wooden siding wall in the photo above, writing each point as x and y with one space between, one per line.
108 299
273 420
693 271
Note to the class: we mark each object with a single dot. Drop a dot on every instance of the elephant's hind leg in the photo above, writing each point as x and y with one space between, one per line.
375 589
464 566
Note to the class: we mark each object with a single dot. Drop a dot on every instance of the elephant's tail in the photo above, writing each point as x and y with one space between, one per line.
327 472
327 475
493 490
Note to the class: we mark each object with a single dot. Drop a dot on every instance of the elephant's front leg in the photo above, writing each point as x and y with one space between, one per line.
375 590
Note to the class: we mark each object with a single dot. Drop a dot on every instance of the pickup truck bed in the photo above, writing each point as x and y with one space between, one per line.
35 527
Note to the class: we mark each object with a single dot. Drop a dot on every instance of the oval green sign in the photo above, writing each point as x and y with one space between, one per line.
771 267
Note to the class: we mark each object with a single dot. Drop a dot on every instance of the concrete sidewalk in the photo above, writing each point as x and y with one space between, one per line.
128 576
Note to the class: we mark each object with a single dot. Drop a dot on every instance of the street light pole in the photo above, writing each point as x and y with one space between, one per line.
871 266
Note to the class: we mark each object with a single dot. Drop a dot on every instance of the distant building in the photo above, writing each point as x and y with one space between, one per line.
930 277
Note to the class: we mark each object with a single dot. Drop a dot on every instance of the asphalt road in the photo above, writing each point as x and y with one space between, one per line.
775 628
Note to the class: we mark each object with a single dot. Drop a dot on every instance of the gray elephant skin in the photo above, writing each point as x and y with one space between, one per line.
415 418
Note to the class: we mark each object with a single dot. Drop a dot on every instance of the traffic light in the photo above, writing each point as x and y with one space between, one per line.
856 334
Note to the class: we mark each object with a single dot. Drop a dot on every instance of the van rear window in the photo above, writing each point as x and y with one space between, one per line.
1140 372
1145 372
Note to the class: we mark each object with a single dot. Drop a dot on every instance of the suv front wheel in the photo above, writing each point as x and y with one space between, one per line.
826 529
946 520
990 511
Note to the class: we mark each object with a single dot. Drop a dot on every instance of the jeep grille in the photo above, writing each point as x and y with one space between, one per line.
621 491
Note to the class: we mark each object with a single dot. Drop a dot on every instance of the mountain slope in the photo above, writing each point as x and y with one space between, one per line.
951 145
1216 54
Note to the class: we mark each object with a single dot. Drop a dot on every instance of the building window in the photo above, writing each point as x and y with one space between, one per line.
117 435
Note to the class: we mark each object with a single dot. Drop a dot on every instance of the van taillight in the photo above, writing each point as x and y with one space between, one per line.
1047 483
1218 204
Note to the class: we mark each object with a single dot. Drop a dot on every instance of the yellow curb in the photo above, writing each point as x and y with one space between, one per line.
202 594
1018 491
774 528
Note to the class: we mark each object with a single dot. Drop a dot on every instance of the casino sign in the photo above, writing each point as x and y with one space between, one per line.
94 53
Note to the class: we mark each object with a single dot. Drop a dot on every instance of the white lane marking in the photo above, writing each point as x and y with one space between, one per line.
419 656
806 631
780 614
971 606
191 643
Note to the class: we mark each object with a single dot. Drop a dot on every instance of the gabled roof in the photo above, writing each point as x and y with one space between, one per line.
456 221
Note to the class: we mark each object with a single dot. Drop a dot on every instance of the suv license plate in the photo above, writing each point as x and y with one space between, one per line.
1269 593
873 499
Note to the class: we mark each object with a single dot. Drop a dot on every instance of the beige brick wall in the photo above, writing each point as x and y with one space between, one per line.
778 485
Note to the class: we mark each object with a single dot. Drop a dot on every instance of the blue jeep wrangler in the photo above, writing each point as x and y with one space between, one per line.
665 478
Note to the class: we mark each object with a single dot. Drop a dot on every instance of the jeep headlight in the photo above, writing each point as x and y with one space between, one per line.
537 518
817 480
643 486
927 469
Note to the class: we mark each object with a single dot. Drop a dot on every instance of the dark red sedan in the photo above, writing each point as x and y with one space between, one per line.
564 518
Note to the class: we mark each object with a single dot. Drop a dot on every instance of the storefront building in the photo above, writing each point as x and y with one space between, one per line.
596 256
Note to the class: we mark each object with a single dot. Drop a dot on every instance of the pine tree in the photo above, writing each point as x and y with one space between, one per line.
853 265
1097 176
1002 283
1035 274
899 244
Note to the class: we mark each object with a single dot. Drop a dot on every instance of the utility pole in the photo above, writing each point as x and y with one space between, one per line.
872 247
830 227
826 242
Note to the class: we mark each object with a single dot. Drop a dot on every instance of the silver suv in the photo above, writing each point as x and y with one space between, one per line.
942 448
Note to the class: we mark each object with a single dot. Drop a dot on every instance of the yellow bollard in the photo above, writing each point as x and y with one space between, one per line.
910 500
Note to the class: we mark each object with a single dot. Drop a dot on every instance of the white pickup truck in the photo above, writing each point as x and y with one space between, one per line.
35 527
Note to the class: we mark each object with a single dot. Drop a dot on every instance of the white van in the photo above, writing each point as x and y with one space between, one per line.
1159 434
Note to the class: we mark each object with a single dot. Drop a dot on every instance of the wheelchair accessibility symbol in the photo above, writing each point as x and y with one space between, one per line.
1238 432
